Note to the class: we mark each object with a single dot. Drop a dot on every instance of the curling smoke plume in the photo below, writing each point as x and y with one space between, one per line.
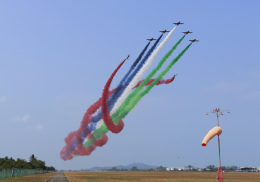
116 104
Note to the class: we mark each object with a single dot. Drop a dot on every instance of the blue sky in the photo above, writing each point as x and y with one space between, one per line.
56 57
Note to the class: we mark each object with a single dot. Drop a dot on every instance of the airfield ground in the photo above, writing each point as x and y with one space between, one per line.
140 177
158 177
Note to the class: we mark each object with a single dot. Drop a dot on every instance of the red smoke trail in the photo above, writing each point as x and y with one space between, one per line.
75 137
162 81
105 108
117 128
67 151
103 140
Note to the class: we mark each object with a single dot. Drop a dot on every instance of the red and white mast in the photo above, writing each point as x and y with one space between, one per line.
216 112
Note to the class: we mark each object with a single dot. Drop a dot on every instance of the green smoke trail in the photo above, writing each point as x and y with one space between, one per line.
103 129
148 88
97 134
127 102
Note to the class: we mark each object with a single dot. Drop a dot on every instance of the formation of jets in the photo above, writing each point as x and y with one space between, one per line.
187 32
151 39
178 23
194 40
164 31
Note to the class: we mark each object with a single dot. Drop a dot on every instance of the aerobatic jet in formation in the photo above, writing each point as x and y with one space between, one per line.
194 40
186 32
178 23
164 31
151 39
128 56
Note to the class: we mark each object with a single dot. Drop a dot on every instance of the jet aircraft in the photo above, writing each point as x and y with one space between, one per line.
186 32
164 31
151 39
194 40
128 56
178 23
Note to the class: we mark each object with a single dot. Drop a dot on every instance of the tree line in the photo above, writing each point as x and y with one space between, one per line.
34 163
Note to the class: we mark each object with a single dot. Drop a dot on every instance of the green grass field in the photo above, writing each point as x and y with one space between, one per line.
159 177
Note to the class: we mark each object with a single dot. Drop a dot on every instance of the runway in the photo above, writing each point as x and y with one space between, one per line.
59 177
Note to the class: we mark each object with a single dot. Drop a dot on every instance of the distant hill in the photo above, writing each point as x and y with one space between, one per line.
137 164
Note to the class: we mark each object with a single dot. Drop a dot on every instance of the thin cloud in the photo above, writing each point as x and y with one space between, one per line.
251 96
254 74
35 128
227 87
39 127
23 119
2 99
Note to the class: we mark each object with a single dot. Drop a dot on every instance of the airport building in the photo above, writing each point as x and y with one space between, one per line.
248 169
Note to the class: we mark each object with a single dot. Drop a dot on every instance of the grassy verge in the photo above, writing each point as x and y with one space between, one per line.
30 178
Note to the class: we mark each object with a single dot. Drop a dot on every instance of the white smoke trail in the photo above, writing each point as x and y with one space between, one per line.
140 73
136 78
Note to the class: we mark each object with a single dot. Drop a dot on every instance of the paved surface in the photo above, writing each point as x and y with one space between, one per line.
60 177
